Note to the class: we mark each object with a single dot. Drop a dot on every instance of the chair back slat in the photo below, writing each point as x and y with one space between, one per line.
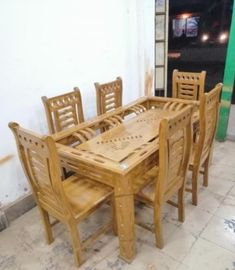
108 96
188 85
41 165
63 111
174 152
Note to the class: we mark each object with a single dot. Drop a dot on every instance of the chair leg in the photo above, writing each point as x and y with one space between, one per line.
181 210
206 171
194 186
72 226
158 227
211 154
47 225
114 219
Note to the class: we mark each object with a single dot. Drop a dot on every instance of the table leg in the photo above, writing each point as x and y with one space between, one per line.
126 226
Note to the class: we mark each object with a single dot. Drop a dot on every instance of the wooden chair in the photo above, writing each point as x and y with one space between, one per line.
188 85
70 201
208 115
108 96
63 111
169 177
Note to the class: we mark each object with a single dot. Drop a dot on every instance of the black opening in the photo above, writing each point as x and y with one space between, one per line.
198 38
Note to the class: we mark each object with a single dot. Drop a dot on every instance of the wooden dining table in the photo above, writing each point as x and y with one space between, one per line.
116 149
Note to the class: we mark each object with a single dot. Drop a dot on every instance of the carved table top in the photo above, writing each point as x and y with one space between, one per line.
119 140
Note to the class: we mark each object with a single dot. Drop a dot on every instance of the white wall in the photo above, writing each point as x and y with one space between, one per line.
146 39
49 46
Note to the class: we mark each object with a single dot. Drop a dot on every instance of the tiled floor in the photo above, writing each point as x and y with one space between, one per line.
206 240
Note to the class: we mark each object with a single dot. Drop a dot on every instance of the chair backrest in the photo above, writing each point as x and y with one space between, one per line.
188 85
175 139
108 96
63 111
40 162
208 115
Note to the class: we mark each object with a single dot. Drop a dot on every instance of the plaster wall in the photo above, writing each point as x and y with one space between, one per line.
47 47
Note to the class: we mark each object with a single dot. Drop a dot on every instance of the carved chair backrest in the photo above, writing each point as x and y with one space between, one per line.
108 96
188 85
40 162
174 152
63 111
208 115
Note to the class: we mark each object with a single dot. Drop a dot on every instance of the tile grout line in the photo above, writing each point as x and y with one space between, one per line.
205 239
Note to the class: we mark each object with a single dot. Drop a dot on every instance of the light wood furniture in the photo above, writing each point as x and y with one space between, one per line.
208 115
188 85
119 156
176 106
169 177
108 96
69 201
63 111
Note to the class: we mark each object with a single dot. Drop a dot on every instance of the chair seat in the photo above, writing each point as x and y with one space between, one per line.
147 186
84 195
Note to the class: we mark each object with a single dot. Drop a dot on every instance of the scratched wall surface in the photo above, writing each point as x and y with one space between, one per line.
48 47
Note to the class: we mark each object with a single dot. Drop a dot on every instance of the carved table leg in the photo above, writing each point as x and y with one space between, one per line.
124 204
125 222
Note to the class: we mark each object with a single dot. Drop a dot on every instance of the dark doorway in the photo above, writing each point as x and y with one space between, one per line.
198 38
